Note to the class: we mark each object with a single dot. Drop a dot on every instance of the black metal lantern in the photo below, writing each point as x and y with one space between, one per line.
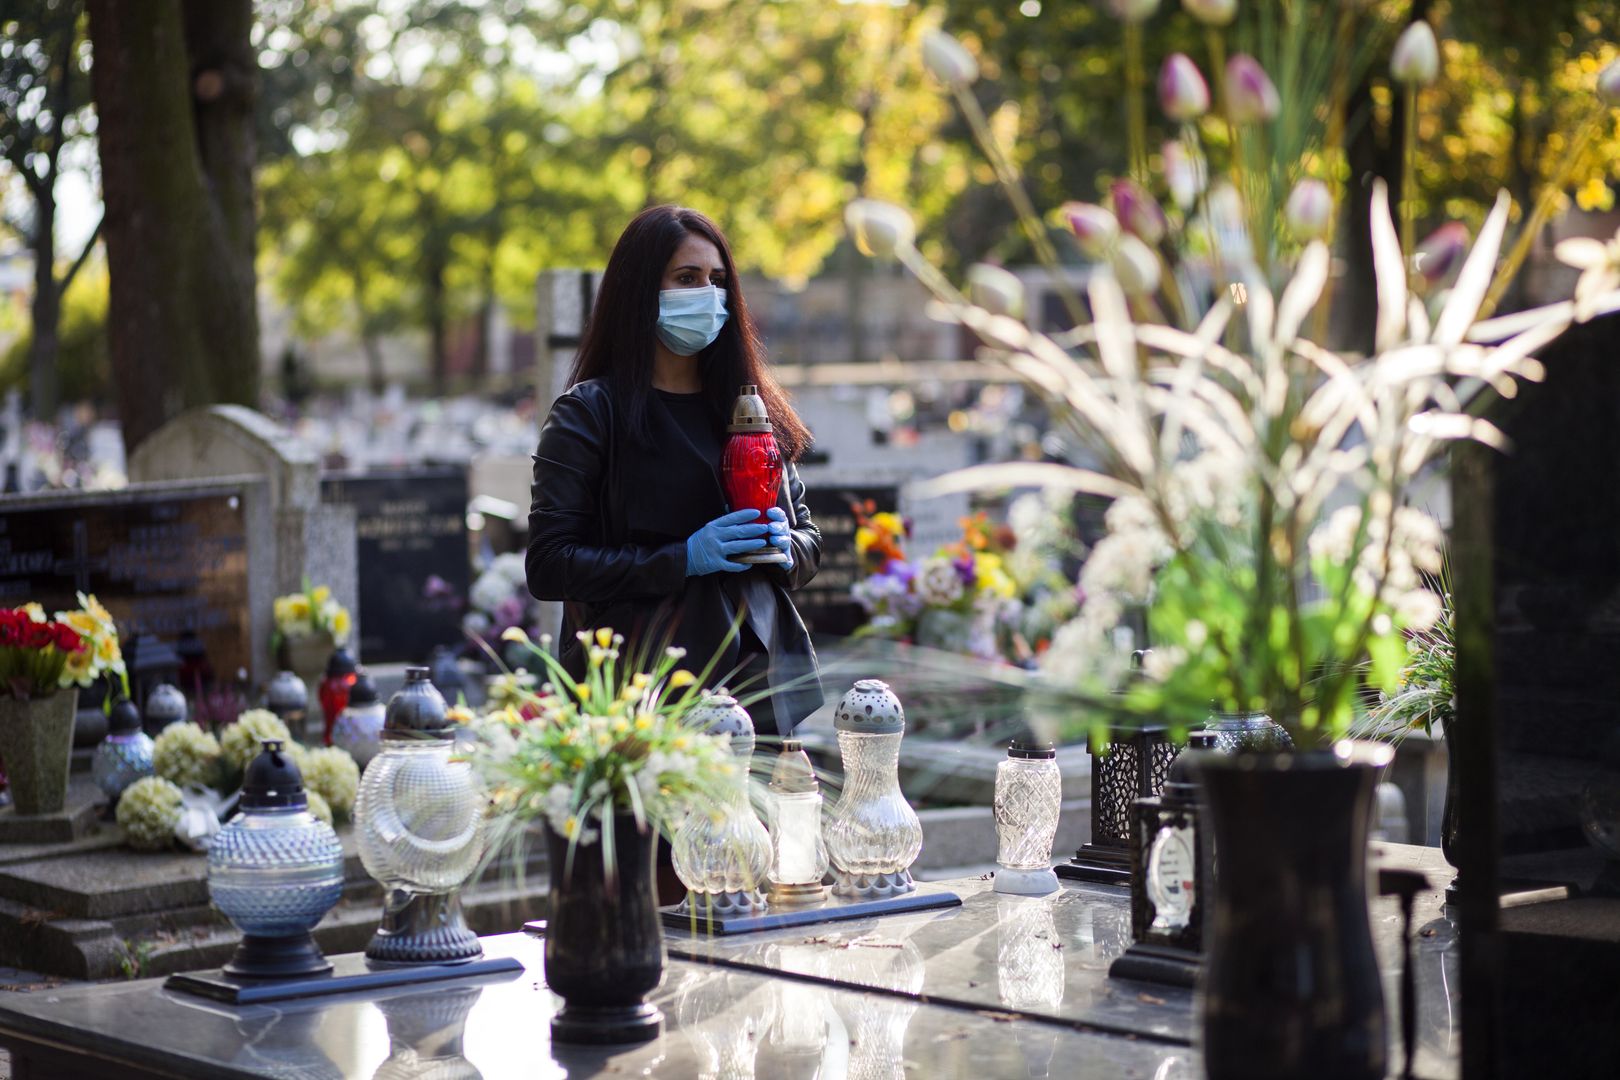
1133 766
1169 866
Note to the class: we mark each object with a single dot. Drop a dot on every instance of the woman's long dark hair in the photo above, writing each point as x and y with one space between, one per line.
619 337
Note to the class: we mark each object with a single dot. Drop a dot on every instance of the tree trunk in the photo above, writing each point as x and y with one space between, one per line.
43 375
177 183
486 321
434 259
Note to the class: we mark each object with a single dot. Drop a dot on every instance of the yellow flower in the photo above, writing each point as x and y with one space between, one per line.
644 721
514 633
97 611
681 677
298 608
640 680
571 827
1595 194
321 594
341 624
603 740
679 742
459 714
77 668
889 522
604 636
35 612
864 539
283 610
584 691
621 726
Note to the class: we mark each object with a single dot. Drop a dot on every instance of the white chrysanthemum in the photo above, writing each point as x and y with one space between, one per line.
148 811
938 583
318 806
511 567
332 773
242 741
489 591
184 754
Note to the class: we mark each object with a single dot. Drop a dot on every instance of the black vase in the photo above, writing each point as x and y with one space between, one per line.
1290 984
1448 813
604 945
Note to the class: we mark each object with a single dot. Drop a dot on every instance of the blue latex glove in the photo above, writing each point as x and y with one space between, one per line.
778 536
707 550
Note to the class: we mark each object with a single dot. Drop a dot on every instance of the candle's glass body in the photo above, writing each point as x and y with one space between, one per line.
751 470
874 830
420 817
1029 797
798 850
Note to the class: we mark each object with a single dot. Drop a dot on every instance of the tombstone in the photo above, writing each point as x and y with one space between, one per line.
308 540
164 558
411 550
563 300
826 604
1536 564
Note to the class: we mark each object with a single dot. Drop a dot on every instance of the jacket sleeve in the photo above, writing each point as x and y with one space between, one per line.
804 537
566 559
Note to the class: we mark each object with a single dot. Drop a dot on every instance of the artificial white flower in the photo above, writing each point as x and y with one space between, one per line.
1599 264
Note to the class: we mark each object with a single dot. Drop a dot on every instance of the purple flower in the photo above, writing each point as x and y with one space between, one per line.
1183 94
1250 95
1138 212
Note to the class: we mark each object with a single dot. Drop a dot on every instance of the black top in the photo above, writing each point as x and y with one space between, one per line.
608 526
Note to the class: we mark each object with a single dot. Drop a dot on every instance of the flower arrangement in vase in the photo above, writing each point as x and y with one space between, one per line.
986 595
309 625
1259 478
609 762
44 661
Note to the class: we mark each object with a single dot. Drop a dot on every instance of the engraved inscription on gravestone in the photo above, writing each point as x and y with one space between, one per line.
411 553
162 564
825 604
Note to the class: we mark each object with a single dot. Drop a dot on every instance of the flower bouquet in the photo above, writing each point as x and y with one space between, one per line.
499 601
309 625
607 763
44 662
1260 479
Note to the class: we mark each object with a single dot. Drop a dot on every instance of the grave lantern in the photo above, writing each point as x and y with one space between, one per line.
1028 801
1168 876
798 849
125 755
722 854
875 835
420 821
359 726
288 698
275 870
334 689
751 466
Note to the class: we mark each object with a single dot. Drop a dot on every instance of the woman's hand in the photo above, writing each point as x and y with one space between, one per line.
779 537
708 550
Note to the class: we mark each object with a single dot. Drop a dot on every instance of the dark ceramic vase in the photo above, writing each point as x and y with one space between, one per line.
604 945
1448 813
1290 985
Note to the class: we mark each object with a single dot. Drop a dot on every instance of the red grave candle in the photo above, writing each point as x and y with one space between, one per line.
751 467
341 673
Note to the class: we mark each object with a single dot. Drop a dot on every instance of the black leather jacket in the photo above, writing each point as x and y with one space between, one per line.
589 548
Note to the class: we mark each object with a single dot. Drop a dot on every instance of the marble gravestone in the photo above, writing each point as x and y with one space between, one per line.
164 558
412 557
301 538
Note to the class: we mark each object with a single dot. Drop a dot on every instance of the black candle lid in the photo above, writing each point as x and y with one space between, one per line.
272 781
364 690
124 718
418 710
341 663
1031 749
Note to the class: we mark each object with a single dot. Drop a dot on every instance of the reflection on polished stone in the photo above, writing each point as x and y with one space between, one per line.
283 1043
1029 956
876 1023
1103 934
425 1033
724 1018
800 1034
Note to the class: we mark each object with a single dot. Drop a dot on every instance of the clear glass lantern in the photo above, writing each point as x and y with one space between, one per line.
1029 798
288 698
874 835
275 870
358 728
420 821
722 853
798 849
125 755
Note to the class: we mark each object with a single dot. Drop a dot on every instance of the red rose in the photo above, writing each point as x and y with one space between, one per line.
37 635
65 638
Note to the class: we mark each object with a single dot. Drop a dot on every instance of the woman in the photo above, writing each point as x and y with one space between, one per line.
628 524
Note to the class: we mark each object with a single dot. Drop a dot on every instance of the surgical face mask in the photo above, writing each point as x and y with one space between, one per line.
690 319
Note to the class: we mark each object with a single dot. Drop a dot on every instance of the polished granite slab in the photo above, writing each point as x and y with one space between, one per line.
1048 958
718 1022
832 909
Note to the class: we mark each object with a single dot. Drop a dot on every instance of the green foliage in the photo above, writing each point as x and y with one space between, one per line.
82 362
